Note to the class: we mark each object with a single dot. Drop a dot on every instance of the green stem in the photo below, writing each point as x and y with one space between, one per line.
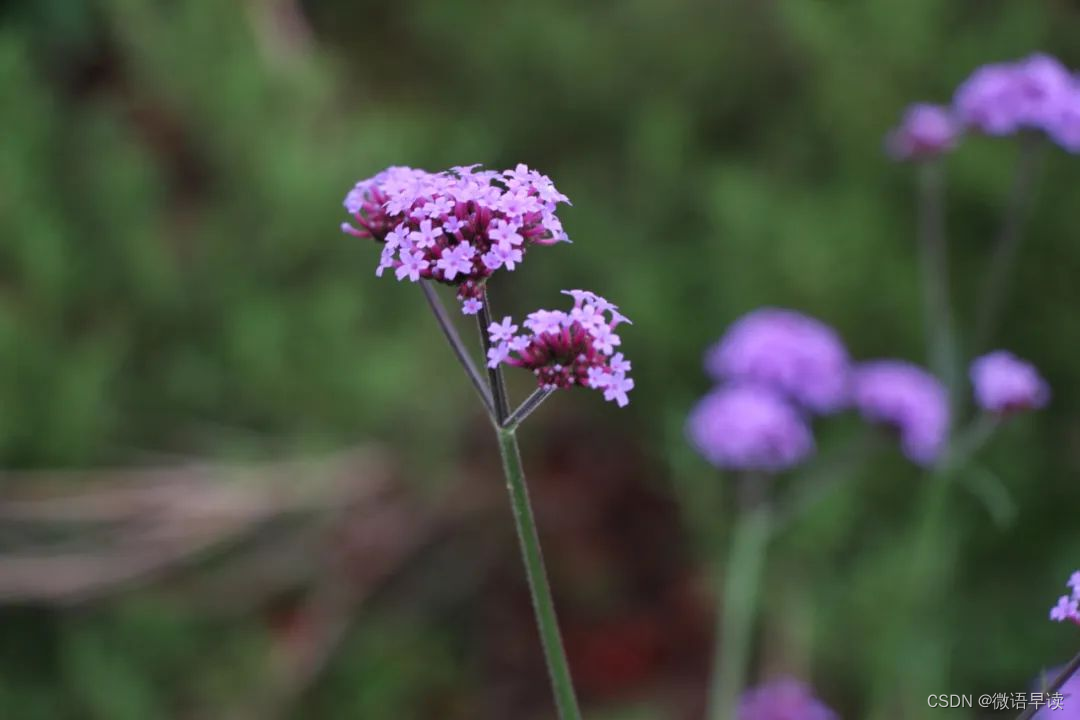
741 584
995 285
937 308
543 604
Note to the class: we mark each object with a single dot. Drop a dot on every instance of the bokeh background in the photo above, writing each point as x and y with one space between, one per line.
243 478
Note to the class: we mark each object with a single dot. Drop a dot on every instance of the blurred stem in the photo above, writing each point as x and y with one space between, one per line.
995 285
819 481
741 583
495 377
526 408
451 334
543 605
933 250
969 442
1062 677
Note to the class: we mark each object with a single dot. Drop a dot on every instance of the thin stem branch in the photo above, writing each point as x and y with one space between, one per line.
995 285
451 334
741 585
526 408
937 308
543 604
495 377
1062 677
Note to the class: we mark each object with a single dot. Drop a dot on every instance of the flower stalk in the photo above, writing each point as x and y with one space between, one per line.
543 605
740 590
460 352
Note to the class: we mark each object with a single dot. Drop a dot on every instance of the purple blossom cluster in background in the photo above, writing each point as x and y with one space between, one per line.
780 367
783 699
908 399
564 349
456 227
1006 384
749 427
1035 94
801 357
777 368
1068 606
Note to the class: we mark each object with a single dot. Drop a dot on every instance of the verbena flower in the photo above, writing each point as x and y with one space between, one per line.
1035 93
1062 705
749 427
564 349
455 227
1004 383
908 399
1068 606
925 131
783 699
800 357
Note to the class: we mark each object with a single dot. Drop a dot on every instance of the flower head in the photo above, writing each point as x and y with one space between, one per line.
797 355
908 399
925 131
455 227
1004 383
1068 606
749 427
564 349
783 699
1035 93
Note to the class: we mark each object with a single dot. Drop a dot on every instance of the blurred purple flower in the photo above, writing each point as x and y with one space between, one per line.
783 699
455 227
925 131
908 399
798 356
1063 705
564 349
1068 606
1034 93
1004 383
749 427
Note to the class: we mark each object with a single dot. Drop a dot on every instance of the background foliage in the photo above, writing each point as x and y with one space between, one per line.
172 282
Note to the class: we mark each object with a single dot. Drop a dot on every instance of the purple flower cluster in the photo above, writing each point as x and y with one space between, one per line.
776 365
1036 93
1006 384
925 131
906 398
455 227
799 356
749 427
1068 606
564 349
783 699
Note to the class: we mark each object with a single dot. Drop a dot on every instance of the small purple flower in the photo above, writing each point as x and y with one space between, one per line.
1068 606
908 399
795 354
471 306
502 331
925 131
749 427
567 349
412 264
783 699
1004 384
457 260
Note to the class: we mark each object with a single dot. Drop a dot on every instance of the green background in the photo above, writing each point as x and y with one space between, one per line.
173 284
